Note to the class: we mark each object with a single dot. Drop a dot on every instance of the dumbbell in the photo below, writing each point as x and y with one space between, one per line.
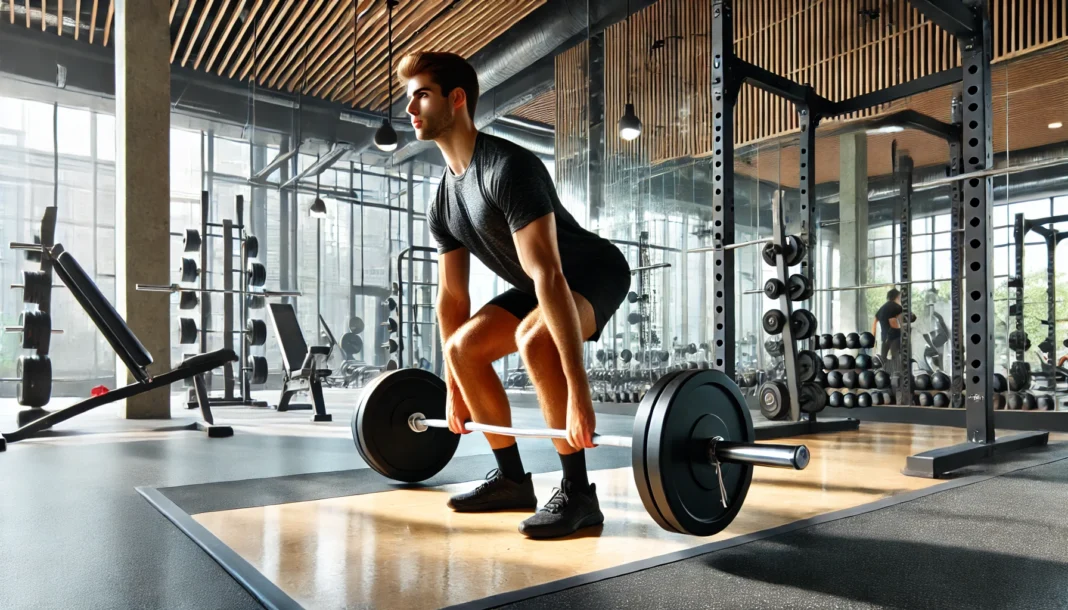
864 400
849 400
826 341
36 329
1014 401
922 381
941 399
834 379
255 331
835 399
1000 383
999 401
923 399
1045 402
866 380
774 288
882 380
888 398
876 398
876 362
863 362
191 241
839 341
849 379
867 340
846 362
1029 402
830 362
940 381
852 341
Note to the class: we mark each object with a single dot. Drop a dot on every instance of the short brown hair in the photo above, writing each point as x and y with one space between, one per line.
447 70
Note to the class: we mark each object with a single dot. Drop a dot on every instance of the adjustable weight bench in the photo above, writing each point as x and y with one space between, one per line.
129 349
303 369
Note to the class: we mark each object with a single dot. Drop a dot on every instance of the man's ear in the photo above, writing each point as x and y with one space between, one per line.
458 97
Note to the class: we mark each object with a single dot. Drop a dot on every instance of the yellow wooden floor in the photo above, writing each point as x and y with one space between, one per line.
406 549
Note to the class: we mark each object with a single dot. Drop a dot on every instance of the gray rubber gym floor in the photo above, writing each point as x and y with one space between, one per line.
74 533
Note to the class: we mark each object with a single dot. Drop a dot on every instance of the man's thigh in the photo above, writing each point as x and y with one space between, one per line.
535 321
490 333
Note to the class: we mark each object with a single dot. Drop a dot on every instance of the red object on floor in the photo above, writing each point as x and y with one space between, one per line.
99 391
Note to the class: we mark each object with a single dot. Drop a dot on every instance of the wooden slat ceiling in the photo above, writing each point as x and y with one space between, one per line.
541 109
297 45
1030 93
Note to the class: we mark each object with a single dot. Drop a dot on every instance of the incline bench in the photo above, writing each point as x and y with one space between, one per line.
129 349
303 368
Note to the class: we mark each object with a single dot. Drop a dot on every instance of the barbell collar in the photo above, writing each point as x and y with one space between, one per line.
775 456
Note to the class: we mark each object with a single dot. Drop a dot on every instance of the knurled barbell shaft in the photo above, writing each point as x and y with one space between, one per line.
774 456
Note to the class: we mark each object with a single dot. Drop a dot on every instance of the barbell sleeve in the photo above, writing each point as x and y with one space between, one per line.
774 456
16 245
172 288
19 329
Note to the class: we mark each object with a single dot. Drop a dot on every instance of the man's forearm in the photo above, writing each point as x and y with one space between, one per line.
561 316
452 313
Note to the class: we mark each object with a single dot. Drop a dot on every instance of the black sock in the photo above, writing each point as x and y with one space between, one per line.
575 469
509 462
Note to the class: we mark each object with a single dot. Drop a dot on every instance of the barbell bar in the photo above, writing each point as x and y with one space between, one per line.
795 457
650 267
692 447
864 286
996 171
172 288
742 244
255 331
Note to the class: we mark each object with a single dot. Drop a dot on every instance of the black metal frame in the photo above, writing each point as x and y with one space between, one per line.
970 25
903 170
1021 226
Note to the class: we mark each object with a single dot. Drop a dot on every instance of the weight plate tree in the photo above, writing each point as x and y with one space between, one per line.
692 443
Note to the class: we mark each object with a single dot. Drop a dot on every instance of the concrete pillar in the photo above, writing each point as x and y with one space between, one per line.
142 197
853 230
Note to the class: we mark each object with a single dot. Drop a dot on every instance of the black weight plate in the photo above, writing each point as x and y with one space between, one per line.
381 432
256 301
696 406
256 332
799 287
37 288
187 331
257 274
632 297
773 322
768 253
638 468
795 250
188 300
867 340
356 324
813 398
252 246
808 363
352 344
774 404
773 288
191 241
189 270
257 370
802 324
36 331
35 386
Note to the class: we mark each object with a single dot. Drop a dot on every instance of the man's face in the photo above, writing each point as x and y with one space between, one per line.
432 113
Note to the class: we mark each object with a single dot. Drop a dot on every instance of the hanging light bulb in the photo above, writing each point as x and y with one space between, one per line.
317 209
386 137
630 126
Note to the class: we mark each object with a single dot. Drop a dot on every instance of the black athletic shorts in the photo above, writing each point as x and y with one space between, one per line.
604 285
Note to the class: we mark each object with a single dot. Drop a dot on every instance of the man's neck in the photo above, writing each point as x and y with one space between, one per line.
458 146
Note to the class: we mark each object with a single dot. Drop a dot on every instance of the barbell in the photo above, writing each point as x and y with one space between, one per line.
255 331
692 446
36 329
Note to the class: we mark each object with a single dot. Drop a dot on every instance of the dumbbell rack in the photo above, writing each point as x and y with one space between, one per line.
31 390
798 422
231 232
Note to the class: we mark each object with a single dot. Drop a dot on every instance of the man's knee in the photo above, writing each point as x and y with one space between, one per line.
470 346
534 341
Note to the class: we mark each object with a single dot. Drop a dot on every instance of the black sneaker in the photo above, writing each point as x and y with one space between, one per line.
498 492
568 511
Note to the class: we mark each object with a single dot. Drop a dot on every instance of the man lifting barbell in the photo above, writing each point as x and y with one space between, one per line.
497 201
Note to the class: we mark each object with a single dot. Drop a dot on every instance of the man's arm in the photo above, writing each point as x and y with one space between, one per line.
540 257
874 324
454 300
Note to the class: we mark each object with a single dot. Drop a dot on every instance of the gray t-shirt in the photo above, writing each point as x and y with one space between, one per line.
505 188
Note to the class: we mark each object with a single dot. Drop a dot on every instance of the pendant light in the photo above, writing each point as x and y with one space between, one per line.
630 126
386 137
